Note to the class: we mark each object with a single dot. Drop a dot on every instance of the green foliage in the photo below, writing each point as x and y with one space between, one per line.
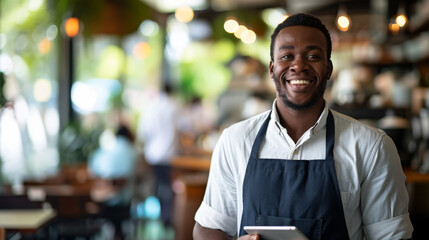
76 143
207 79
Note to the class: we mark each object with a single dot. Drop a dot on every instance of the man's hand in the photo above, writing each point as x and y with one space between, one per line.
249 237
201 232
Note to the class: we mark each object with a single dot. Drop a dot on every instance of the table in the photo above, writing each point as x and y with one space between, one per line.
24 220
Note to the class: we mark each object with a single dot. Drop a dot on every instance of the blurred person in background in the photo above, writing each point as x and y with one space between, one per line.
117 155
196 118
158 132
112 165
196 124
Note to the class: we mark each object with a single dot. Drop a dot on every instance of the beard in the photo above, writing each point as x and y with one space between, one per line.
283 96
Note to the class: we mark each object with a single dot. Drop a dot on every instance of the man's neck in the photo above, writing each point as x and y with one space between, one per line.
297 122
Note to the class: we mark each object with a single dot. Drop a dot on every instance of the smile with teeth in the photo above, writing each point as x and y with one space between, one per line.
299 82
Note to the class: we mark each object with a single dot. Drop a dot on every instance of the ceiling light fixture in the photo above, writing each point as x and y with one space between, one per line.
401 17
343 20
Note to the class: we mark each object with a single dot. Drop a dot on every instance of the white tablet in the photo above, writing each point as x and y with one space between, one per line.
276 232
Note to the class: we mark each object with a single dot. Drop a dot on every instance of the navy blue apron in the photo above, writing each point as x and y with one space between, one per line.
301 193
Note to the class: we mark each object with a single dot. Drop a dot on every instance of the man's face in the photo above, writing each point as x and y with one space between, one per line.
300 67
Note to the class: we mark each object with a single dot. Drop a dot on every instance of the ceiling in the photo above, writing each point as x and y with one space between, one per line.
365 14
368 16
326 10
294 6
314 6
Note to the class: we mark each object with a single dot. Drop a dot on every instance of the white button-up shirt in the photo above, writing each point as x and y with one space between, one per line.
369 172
157 130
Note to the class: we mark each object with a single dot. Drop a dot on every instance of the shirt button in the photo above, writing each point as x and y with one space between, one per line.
295 151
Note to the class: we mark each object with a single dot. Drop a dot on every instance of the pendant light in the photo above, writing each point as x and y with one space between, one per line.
401 17
343 20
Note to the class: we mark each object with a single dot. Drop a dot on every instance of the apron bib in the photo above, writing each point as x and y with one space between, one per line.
301 193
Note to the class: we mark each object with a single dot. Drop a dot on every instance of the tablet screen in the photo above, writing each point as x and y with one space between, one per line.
276 232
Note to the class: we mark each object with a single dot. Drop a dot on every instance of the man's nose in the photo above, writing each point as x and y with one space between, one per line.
298 65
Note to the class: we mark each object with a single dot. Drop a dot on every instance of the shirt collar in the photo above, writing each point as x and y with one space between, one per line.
319 125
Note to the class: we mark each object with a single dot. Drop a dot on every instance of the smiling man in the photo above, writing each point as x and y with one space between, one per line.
302 164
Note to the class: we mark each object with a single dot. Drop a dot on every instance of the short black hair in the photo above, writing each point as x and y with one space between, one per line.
302 19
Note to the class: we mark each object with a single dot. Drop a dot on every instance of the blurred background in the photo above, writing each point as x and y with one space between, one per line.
78 80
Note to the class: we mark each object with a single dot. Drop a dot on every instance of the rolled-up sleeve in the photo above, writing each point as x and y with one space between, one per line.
219 207
384 197
210 218
396 228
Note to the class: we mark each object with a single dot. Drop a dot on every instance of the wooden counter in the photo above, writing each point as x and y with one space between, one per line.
416 177
193 163
202 163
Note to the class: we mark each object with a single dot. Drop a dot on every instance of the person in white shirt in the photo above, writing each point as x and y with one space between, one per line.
301 163
158 131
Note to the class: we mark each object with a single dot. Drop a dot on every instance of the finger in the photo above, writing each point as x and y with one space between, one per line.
254 237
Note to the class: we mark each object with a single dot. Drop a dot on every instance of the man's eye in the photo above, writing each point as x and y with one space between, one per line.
286 57
313 57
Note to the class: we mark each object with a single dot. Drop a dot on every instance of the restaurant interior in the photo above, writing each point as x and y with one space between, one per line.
73 72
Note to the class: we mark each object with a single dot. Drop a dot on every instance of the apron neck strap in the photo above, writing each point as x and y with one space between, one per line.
330 136
260 137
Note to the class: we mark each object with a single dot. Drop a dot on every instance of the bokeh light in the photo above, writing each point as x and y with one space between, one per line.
141 50
44 46
230 26
148 28
83 97
343 22
42 90
184 14
71 27
94 95
52 32
249 37
240 31
152 208
394 28
274 16
401 20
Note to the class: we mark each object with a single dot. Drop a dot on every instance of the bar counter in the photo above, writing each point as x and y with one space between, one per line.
202 163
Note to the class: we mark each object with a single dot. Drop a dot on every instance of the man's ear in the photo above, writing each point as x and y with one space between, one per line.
271 69
330 69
